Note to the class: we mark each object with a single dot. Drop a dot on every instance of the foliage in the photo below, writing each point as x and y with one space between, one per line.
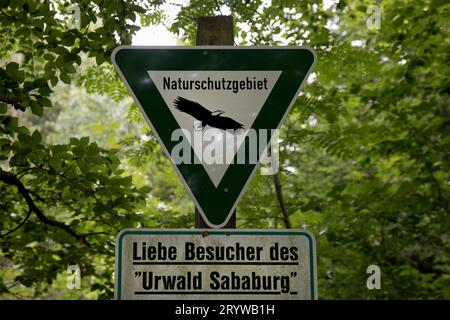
364 153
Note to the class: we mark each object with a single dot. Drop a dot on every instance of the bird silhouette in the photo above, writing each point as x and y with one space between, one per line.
206 117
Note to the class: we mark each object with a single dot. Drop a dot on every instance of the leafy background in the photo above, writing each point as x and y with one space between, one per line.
364 154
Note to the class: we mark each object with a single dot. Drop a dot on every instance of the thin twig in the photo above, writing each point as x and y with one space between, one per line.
18 226
280 198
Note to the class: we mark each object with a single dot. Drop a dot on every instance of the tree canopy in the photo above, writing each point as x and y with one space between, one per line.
364 153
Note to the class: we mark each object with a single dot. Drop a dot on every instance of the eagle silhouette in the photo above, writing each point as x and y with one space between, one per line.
206 117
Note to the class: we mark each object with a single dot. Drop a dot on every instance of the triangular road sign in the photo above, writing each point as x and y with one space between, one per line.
210 106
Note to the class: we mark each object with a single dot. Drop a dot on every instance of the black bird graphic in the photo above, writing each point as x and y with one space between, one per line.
212 119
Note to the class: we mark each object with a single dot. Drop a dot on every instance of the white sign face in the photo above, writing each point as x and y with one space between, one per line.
238 95
190 264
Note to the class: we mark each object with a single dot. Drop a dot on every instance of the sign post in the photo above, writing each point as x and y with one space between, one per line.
212 31
182 264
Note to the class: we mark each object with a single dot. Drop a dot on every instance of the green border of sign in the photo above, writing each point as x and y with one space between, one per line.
132 64
259 232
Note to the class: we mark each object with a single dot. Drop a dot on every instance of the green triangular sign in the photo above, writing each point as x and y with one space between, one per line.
214 109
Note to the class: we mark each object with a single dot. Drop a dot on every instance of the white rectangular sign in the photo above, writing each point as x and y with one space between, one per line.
210 264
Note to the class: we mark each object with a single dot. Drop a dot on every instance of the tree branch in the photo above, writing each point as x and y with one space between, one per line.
18 227
14 101
280 198
218 7
11 179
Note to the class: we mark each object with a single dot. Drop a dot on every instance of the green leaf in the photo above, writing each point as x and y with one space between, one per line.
12 68
84 141
83 165
79 152
97 160
48 56
55 163
36 108
59 62
100 58
70 57
21 31
4 142
3 108
145 190
57 149
69 68
49 66
54 80
74 141
45 102
60 50
10 122
65 78
37 138
25 139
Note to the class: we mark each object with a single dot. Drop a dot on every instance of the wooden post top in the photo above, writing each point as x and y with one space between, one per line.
216 31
